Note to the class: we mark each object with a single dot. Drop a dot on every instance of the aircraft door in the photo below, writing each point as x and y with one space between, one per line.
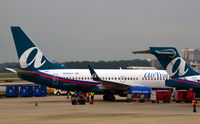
55 79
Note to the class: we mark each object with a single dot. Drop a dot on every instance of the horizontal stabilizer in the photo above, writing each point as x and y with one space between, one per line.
10 69
141 52
22 72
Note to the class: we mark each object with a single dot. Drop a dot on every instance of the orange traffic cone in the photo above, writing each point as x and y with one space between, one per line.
36 104
91 101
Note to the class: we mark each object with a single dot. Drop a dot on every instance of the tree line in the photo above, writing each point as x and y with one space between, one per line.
84 64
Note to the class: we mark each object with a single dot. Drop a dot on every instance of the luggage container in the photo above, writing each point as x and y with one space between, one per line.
43 90
183 95
190 96
12 91
164 96
26 91
40 91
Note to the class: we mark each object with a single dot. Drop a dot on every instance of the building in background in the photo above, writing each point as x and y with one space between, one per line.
192 57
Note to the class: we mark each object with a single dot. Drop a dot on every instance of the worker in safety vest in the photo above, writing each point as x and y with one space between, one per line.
73 93
194 105
88 97
92 97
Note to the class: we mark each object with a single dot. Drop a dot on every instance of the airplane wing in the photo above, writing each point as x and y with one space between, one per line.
110 85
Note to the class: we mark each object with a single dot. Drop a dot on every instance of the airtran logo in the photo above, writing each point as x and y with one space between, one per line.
177 66
37 60
155 75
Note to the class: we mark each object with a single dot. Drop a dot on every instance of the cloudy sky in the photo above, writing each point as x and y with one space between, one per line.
76 30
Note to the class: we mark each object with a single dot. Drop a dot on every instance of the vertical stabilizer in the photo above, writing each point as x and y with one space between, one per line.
172 62
29 55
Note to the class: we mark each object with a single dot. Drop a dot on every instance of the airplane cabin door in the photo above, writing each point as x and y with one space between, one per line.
55 79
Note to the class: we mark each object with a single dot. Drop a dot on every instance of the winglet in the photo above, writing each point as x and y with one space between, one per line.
94 75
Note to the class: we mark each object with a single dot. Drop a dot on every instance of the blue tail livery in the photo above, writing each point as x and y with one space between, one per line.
171 61
30 57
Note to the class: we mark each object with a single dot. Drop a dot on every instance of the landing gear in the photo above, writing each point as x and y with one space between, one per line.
109 97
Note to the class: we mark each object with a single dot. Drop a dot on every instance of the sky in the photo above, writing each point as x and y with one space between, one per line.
93 30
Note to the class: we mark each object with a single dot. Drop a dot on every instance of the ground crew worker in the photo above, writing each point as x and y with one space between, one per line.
194 105
73 93
92 97
74 98
137 99
88 97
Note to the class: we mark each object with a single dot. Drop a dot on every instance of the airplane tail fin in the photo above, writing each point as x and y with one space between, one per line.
171 61
30 57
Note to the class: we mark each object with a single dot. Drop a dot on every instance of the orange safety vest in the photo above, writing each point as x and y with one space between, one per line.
137 100
193 102
87 94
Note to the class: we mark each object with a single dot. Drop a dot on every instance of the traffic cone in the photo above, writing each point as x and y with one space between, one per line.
91 101
36 103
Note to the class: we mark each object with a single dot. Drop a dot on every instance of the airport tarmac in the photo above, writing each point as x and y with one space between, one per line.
58 110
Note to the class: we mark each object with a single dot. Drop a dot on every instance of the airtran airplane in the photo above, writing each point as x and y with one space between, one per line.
35 67
182 75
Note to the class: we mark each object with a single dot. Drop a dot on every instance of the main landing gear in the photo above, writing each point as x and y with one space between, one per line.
109 97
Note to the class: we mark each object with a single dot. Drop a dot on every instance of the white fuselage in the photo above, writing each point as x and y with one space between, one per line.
150 78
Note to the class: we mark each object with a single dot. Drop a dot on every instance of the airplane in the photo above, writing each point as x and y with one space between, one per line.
181 74
35 67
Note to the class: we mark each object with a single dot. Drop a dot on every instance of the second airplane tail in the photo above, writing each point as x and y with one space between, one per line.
30 57
171 61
